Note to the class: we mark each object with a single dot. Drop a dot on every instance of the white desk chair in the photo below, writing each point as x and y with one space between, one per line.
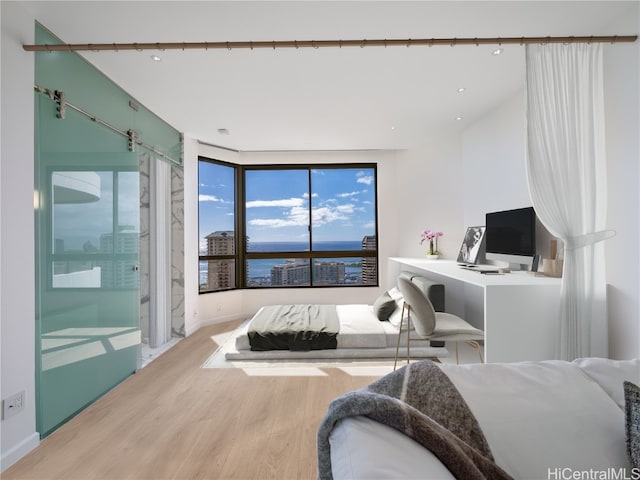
432 325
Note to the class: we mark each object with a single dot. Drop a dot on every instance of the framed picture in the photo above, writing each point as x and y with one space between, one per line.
471 245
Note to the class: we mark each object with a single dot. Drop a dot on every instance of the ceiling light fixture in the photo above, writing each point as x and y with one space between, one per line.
461 89
458 118
497 51
156 58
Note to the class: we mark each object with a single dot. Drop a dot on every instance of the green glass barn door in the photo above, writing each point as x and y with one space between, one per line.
87 224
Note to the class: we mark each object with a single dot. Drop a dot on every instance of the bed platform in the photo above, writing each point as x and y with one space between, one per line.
361 336
363 332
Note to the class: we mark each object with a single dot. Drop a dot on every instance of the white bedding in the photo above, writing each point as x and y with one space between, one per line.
536 417
361 335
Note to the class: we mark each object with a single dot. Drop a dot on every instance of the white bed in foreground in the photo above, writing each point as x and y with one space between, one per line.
541 420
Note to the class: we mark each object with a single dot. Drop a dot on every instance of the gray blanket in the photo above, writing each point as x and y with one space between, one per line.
294 327
420 401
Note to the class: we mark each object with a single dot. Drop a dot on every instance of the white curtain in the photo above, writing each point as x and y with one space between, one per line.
566 169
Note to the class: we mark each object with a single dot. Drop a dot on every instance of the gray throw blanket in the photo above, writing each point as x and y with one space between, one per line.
420 401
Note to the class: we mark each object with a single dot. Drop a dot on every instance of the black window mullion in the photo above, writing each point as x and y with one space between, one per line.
241 243
310 227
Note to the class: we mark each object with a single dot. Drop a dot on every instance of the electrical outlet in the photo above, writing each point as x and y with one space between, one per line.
12 405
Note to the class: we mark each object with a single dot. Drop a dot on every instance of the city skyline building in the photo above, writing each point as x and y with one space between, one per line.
119 273
292 272
369 264
328 273
221 274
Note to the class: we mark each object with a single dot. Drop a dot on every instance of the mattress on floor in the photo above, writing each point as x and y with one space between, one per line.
359 329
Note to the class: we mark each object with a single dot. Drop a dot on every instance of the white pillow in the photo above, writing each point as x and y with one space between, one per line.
395 293
610 374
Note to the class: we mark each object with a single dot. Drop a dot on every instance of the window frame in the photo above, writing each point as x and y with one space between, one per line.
241 255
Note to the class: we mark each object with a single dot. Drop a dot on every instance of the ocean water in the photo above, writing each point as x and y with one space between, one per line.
303 246
261 268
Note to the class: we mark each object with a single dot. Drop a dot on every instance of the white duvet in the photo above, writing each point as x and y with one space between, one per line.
541 419
359 328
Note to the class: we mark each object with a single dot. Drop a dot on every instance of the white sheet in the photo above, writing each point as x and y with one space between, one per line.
363 449
359 328
361 335
536 416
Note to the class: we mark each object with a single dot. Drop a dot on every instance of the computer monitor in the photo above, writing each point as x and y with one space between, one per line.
511 236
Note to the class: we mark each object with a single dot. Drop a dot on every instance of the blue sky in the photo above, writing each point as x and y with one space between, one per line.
343 202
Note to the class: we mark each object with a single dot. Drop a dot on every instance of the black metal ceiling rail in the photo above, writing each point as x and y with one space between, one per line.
62 104
274 44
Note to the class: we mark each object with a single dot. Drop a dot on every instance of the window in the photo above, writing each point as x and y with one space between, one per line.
217 219
299 225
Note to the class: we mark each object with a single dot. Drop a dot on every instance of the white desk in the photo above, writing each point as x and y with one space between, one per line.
518 311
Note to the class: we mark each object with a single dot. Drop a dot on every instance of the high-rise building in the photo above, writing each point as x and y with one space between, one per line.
221 274
221 242
119 273
369 264
328 273
292 272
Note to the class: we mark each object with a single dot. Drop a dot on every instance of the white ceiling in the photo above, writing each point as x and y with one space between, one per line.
327 98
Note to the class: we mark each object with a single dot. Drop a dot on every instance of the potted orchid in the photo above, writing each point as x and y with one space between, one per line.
432 237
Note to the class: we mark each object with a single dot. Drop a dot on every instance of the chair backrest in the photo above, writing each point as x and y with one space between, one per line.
423 315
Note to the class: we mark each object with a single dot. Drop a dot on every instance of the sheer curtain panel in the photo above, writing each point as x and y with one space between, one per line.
566 169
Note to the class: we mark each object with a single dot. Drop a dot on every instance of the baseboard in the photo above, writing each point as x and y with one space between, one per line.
212 321
20 450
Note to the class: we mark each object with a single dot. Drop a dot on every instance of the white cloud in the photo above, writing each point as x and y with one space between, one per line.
324 215
298 214
348 208
362 177
285 202
347 194
209 198
273 222
306 195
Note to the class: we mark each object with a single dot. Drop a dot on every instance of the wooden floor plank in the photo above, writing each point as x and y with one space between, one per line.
176 420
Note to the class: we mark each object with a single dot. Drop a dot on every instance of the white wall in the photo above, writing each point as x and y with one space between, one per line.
622 109
17 301
494 162
429 195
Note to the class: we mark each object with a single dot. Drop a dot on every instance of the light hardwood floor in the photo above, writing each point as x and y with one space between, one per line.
175 420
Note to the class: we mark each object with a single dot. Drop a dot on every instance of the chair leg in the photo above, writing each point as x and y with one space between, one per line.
478 348
408 333
395 362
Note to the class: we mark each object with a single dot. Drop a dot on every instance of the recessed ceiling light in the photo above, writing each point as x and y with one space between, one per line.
223 131
156 58
497 51
461 89
458 118
393 127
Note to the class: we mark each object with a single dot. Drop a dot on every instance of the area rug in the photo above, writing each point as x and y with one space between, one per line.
295 366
